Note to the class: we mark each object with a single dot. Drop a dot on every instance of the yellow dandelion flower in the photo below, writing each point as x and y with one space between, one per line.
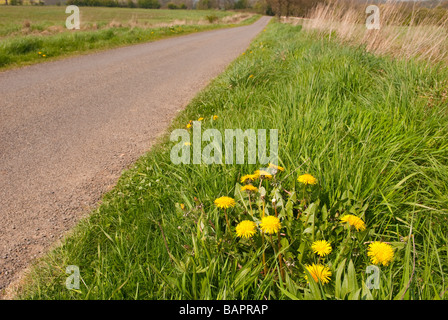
321 247
251 51
244 53
187 143
246 229
40 52
43 55
225 202
249 187
307 179
380 253
275 167
270 224
215 117
251 76
248 178
263 174
354 221
182 206
319 273
200 119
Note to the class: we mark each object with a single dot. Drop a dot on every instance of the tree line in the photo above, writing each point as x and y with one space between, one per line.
269 7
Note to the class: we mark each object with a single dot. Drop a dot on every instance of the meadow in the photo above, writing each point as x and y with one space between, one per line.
361 182
32 34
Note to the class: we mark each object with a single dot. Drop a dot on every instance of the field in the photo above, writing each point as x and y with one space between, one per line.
41 18
372 132
31 34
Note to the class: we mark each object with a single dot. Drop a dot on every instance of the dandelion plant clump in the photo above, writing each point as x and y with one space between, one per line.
301 248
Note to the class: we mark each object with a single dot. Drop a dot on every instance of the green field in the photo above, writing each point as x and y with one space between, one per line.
372 130
27 30
42 17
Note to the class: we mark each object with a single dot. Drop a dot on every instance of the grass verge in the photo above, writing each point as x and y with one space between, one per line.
405 30
373 132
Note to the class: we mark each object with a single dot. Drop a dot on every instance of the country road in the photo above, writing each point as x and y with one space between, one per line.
68 128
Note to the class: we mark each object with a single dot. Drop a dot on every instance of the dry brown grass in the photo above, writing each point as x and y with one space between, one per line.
405 32
233 19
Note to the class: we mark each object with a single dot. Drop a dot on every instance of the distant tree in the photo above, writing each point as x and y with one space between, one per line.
204 4
241 4
292 7
269 10
148 4
227 4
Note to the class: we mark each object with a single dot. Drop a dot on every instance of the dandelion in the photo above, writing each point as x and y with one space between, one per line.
187 144
380 253
249 187
307 179
243 53
43 55
249 178
225 202
275 167
190 124
251 76
251 51
40 52
321 247
200 119
270 224
354 221
319 273
246 229
182 206
263 174
215 117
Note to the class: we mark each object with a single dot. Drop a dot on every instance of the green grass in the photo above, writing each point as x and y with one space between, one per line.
34 34
13 17
372 130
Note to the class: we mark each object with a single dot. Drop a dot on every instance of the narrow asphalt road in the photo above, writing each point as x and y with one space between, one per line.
68 129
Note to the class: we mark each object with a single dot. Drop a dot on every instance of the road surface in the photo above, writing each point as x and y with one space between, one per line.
68 128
